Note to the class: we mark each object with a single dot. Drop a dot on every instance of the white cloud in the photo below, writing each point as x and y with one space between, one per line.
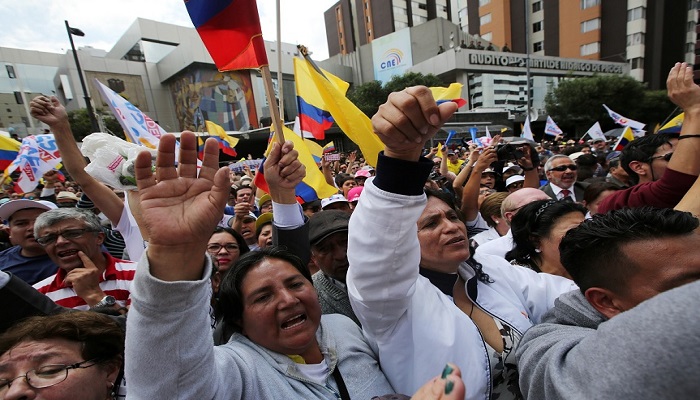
39 24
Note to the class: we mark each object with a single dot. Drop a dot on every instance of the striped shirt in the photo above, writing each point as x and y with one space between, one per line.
115 281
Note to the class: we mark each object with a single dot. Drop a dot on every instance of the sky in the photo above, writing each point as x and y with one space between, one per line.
39 24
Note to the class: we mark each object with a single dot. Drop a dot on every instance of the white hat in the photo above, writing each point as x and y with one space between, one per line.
513 179
576 155
511 165
336 198
12 206
489 170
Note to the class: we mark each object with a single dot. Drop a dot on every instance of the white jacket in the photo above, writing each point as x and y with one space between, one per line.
415 328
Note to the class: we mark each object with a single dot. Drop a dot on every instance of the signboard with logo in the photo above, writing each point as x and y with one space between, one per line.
392 55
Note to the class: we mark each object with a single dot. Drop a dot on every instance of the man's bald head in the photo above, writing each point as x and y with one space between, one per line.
516 200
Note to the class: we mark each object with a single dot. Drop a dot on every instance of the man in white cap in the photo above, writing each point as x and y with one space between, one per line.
514 183
26 259
336 202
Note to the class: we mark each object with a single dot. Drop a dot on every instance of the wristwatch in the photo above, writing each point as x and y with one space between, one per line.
107 301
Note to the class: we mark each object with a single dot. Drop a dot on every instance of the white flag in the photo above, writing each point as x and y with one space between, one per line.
37 156
551 128
527 132
620 120
488 134
595 132
138 127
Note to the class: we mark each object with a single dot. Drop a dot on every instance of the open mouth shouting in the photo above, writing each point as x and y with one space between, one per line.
294 321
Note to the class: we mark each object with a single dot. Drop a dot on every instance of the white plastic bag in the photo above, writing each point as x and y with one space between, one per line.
112 159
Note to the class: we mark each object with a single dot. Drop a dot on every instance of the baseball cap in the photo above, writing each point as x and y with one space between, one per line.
245 180
11 207
510 166
263 219
326 223
354 193
362 173
336 198
513 179
265 198
489 171
66 195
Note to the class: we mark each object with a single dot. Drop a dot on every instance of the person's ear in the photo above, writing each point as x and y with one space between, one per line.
639 167
604 301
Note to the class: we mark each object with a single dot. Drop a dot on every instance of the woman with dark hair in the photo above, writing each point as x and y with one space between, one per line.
282 349
397 233
490 211
64 356
595 193
225 246
537 231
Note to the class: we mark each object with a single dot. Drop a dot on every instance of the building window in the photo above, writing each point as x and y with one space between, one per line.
483 2
637 63
589 3
590 48
422 6
18 98
487 36
590 25
536 6
10 71
537 46
635 38
485 19
636 13
537 26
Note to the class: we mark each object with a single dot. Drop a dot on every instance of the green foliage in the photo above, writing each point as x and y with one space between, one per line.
81 127
369 96
79 124
401 82
576 104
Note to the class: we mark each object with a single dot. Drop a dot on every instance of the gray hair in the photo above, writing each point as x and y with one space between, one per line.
52 217
548 164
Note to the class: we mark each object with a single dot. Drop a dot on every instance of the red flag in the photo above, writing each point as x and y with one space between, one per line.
230 30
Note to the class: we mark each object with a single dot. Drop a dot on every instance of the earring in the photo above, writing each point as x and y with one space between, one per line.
112 394
538 251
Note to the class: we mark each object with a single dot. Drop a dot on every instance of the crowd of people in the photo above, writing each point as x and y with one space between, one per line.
552 270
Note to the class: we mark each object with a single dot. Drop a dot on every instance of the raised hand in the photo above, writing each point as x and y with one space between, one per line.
408 120
48 110
681 88
177 209
283 170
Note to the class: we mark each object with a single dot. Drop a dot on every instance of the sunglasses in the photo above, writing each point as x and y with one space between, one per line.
563 168
666 157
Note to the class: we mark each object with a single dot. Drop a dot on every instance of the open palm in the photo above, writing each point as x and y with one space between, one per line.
177 208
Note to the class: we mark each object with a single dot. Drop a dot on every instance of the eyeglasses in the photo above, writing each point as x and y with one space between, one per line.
215 247
68 234
666 157
563 168
46 375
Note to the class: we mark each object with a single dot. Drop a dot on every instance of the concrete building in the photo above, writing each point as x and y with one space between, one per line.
649 35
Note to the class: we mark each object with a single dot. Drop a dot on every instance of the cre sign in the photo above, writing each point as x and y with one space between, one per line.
391 55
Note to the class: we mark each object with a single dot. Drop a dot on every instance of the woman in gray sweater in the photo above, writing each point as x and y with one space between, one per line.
284 348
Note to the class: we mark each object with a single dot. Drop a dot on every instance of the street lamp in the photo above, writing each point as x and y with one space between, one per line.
91 112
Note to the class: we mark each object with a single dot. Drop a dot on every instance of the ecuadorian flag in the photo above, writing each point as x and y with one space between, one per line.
226 143
314 116
626 137
9 148
314 185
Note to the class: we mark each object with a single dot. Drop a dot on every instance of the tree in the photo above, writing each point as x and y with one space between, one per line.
81 126
370 95
576 104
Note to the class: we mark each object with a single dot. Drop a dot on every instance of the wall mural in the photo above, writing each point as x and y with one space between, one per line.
225 98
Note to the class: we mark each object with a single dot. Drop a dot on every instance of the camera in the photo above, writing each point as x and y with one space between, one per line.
515 151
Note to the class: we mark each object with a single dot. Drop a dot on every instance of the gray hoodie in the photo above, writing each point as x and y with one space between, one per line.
649 352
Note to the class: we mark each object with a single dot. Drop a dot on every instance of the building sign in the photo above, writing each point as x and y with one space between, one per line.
544 63
392 55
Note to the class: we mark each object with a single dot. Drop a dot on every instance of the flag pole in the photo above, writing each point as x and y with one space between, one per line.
304 51
272 101
280 80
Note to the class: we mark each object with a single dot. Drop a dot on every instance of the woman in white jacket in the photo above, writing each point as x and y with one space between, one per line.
412 320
